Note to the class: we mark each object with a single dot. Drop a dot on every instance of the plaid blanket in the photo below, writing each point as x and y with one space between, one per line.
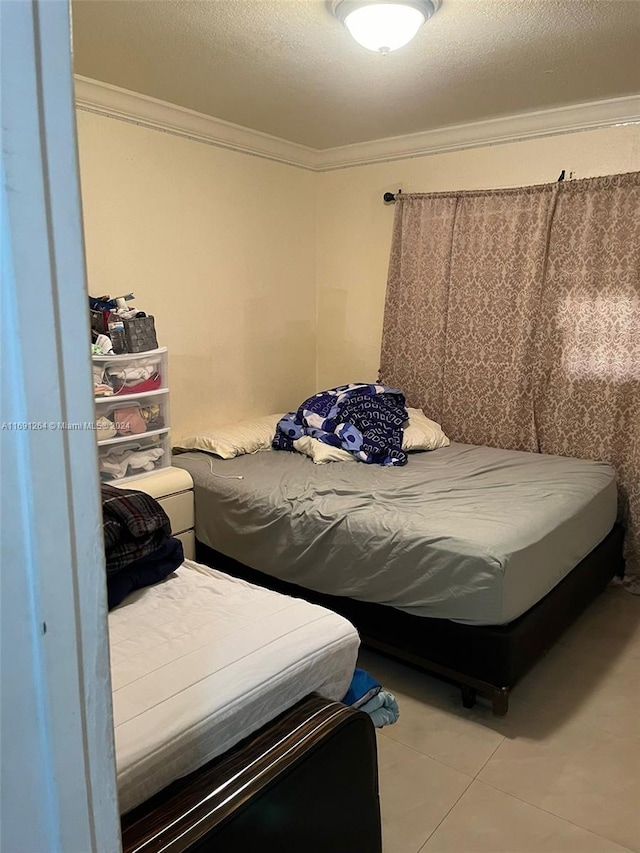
364 419
134 525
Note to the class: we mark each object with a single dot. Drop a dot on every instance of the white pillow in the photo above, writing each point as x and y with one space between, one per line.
419 434
236 439
321 452
422 433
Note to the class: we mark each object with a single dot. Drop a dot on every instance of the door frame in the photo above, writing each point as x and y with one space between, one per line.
58 766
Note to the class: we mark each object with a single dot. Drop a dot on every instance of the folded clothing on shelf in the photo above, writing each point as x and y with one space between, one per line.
134 375
134 372
153 383
118 463
102 390
105 429
129 419
152 416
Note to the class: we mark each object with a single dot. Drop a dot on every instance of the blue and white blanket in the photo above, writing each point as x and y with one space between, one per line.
364 419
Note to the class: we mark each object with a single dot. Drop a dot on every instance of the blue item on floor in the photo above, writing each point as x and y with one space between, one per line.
383 709
362 688
367 694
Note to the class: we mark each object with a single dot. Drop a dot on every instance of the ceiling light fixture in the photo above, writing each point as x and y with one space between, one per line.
384 25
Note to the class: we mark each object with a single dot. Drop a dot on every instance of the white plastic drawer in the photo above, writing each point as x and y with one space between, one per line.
179 508
123 459
116 416
188 539
171 481
130 373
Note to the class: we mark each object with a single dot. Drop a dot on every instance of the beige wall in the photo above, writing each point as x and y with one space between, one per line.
220 248
354 227
267 282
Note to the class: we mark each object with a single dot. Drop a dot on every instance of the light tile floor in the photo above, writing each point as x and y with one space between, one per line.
561 772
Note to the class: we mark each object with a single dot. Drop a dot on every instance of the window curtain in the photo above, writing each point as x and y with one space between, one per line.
512 317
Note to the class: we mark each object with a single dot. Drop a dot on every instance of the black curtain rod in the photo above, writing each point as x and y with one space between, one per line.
390 198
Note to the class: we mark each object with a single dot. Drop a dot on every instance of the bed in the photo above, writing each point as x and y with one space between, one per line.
469 561
225 704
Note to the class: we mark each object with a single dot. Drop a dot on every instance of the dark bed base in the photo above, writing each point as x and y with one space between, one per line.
482 660
307 781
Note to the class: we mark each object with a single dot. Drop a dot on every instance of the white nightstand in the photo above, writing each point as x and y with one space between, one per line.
173 489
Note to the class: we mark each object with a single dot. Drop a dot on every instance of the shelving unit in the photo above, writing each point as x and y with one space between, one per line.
123 455
171 487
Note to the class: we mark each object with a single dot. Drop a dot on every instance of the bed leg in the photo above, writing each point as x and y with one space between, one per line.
468 695
500 702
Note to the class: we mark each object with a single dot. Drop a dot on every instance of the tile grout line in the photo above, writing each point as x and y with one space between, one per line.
426 755
431 757
440 822
635 739
444 763
449 767
553 814
473 779
490 757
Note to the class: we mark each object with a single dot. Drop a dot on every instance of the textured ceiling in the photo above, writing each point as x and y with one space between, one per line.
288 68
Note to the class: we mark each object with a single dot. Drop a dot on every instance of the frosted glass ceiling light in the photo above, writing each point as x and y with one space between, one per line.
384 26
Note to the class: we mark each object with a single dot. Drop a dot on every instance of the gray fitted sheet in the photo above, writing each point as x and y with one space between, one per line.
472 534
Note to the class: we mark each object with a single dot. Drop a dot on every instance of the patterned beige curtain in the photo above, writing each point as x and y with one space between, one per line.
588 387
513 318
415 316
497 270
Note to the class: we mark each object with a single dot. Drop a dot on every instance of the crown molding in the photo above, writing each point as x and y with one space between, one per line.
570 119
104 99
114 102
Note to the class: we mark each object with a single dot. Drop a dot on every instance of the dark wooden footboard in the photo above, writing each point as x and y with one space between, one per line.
308 781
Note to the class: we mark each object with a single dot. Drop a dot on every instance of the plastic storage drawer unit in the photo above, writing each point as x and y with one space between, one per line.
132 414
134 457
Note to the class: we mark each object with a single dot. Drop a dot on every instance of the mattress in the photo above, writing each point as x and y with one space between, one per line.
472 534
202 660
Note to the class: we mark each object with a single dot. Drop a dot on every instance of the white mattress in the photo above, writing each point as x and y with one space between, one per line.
202 660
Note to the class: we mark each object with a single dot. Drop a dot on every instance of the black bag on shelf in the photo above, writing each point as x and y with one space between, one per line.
140 334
